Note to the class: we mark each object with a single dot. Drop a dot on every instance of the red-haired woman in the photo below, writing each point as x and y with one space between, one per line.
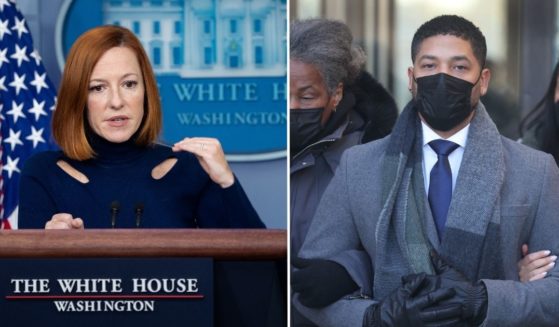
111 172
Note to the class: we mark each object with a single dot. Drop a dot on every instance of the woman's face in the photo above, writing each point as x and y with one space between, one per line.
115 102
307 89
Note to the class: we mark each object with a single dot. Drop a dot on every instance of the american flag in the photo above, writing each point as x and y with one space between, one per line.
27 99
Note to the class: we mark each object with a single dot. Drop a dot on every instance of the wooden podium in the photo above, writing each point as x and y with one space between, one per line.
250 268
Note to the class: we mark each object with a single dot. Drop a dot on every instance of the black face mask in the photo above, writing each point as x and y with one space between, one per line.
443 100
304 127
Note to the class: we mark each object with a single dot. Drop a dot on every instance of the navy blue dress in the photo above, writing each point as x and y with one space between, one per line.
185 197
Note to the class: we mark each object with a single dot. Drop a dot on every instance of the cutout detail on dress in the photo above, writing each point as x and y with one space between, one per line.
163 168
73 172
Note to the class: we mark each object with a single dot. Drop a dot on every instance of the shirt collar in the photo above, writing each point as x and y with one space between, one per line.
459 138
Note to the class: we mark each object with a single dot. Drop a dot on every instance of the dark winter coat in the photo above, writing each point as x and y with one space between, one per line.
366 112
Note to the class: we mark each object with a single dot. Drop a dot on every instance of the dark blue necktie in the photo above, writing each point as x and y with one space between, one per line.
440 185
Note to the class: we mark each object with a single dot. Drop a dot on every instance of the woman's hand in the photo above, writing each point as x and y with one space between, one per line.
535 265
64 221
211 158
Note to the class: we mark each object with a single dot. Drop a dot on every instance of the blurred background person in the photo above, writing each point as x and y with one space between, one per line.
111 172
540 128
334 104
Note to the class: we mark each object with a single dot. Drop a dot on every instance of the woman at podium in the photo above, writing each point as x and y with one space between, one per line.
111 171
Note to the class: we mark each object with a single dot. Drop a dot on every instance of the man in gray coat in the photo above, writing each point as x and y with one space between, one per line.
445 181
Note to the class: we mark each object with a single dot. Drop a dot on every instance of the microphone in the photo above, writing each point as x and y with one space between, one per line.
139 209
115 207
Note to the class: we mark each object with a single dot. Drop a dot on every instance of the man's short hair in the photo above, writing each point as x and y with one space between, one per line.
455 26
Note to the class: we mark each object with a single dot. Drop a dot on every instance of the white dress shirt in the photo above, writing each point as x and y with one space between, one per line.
430 156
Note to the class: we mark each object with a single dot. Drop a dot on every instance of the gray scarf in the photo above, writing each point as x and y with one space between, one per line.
471 241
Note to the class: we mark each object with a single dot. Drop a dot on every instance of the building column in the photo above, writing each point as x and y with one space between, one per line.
218 36
248 53
187 39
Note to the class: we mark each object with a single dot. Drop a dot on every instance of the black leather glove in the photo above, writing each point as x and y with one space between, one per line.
472 296
405 308
320 282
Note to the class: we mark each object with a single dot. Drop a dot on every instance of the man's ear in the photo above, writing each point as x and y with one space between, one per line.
410 78
484 80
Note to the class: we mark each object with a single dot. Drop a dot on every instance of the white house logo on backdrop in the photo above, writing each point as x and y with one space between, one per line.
220 65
